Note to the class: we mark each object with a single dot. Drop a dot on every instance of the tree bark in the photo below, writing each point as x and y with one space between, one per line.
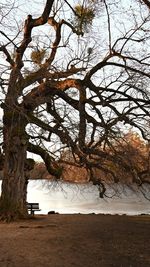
13 197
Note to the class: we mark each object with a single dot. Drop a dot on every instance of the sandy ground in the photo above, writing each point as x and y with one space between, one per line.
76 240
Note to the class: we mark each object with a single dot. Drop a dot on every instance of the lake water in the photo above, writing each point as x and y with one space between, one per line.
71 198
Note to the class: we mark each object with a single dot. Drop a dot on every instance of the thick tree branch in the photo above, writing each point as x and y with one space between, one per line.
29 25
52 167
38 95
147 3
49 75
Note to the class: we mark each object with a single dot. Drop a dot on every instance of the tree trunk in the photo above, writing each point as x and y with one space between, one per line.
13 197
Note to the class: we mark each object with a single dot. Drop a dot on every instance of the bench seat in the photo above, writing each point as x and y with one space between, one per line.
32 207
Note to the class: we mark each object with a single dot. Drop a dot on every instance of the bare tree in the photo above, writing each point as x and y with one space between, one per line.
76 77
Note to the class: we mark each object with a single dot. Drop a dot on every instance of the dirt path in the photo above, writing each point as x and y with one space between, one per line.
76 240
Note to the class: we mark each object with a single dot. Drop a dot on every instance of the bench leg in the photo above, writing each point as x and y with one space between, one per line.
32 212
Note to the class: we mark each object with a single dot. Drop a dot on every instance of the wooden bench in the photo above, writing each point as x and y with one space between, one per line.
33 207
